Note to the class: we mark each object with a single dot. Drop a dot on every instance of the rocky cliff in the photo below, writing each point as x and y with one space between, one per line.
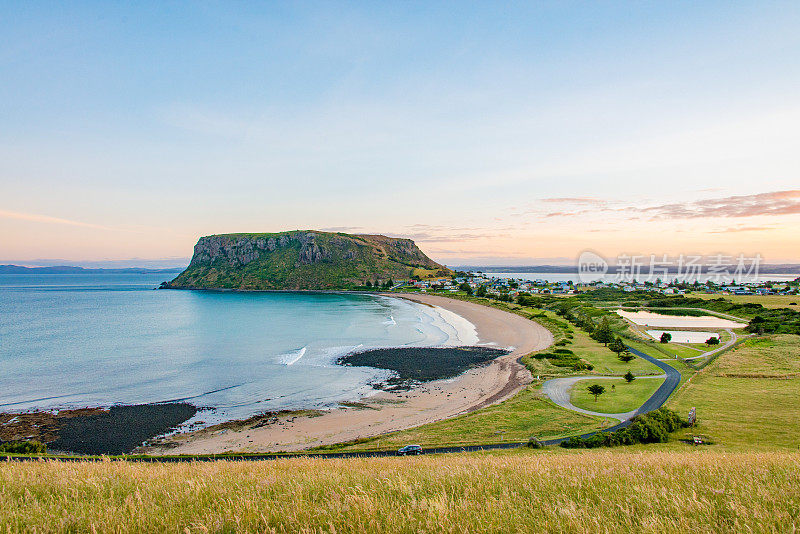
303 260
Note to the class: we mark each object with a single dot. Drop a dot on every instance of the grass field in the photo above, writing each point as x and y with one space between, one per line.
749 398
525 491
526 414
768 301
623 398
684 351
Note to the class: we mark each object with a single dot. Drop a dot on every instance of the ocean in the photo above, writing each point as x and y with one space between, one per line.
82 340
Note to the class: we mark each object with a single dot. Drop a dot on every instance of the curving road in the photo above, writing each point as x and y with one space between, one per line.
709 353
558 389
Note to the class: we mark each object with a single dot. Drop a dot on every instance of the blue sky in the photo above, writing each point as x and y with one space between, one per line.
487 132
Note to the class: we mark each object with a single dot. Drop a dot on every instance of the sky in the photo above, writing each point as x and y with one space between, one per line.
490 133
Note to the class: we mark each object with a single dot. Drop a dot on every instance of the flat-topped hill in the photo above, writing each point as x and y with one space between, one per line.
303 259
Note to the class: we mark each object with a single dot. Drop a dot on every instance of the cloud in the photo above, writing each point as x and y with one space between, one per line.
33 217
774 203
589 201
426 233
762 204
425 237
741 229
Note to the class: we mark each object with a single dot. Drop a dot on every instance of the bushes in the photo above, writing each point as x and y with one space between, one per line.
23 447
564 358
652 427
528 300
534 443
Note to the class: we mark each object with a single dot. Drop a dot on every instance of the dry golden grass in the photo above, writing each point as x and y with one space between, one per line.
524 491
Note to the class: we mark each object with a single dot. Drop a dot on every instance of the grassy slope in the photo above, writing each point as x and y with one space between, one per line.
748 397
525 491
526 414
623 398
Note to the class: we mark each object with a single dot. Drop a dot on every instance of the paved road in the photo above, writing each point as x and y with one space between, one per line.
665 390
558 389
730 342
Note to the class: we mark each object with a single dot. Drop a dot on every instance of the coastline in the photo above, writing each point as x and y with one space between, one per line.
387 411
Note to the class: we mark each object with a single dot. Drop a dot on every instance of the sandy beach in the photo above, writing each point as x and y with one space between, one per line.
389 411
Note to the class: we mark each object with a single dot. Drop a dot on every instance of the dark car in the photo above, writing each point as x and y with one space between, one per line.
409 449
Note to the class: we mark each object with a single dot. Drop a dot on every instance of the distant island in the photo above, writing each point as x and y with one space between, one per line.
304 259
70 269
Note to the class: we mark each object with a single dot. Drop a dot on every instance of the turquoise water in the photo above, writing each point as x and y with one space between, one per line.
97 340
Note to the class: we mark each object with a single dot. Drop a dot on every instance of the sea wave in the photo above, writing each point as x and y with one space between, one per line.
293 357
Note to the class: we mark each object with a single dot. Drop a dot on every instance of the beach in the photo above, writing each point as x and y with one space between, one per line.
387 411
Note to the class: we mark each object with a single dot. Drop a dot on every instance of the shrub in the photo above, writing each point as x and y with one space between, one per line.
575 442
582 366
652 427
23 447
629 377
534 443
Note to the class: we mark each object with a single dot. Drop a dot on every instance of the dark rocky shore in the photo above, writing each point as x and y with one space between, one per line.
117 430
422 364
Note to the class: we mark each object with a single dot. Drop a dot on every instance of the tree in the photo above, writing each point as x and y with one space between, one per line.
481 291
629 377
617 346
596 390
465 287
626 356
369 283
603 334
713 340
666 337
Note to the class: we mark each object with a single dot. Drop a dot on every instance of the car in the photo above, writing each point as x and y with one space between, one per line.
409 449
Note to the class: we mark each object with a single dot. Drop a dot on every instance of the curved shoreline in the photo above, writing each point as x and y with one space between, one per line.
391 411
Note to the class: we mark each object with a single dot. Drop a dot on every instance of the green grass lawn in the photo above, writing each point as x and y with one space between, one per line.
606 362
768 301
526 414
623 397
684 351
749 398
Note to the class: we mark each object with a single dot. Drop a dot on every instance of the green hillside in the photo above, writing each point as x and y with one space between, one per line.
302 260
